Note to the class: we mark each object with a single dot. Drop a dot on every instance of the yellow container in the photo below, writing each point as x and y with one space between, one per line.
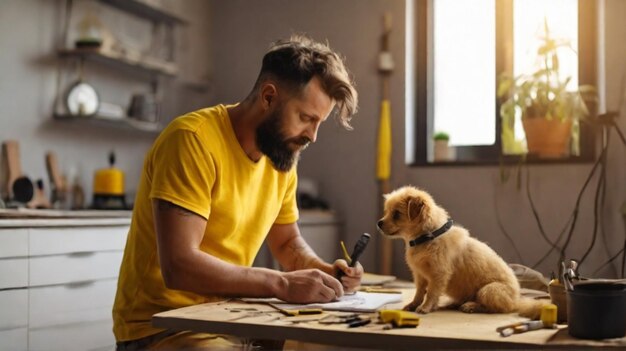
399 318
108 181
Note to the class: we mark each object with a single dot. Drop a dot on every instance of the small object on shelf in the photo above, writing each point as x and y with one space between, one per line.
110 111
88 43
82 99
144 107
90 30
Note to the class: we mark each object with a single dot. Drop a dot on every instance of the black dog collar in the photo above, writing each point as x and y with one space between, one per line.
430 236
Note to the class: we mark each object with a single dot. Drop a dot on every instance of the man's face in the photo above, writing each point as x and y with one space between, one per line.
282 150
292 124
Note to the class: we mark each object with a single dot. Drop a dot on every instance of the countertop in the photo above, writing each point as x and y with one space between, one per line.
22 218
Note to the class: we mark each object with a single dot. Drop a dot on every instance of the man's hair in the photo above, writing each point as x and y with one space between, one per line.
295 61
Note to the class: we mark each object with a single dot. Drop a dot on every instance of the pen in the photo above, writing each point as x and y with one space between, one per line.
518 328
297 312
359 323
369 289
359 247
301 312
345 252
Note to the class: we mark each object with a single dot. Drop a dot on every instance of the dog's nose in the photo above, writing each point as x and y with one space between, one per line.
380 224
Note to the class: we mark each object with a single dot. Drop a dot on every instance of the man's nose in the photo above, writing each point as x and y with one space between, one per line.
311 132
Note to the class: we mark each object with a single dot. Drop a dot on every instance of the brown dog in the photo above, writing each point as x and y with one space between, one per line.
444 259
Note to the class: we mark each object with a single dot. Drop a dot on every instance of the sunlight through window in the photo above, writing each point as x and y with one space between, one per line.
528 29
464 74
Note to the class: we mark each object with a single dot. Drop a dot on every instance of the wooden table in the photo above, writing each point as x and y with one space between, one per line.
437 330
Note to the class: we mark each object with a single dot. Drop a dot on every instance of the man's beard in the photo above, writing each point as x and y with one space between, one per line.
273 143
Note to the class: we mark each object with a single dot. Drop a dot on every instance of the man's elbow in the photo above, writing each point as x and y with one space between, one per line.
173 277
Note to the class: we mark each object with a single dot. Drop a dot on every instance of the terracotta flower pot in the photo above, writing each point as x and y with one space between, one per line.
548 138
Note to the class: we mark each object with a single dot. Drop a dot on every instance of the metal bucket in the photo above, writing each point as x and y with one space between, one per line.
597 310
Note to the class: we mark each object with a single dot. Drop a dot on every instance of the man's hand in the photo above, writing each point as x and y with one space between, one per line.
309 286
352 275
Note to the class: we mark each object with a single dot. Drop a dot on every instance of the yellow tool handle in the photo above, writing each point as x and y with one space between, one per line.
299 312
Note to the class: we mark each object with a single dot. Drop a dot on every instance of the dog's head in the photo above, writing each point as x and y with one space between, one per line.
408 211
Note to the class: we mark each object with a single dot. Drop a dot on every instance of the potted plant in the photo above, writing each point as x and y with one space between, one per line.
548 110
442 151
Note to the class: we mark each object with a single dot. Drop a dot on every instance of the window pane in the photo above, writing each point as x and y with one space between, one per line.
464 70
528 29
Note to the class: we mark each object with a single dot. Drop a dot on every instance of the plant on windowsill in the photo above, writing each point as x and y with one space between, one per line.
550 113
442 151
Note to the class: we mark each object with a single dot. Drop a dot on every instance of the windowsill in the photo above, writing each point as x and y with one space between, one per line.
506 160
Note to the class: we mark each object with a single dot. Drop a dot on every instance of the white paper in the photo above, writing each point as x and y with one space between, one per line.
359 302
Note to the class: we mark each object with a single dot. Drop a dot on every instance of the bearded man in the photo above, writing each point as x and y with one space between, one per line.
218 182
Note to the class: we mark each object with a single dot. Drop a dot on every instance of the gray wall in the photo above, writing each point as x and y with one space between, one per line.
343 163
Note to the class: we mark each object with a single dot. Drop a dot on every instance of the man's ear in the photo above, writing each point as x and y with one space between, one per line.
414 208
268 95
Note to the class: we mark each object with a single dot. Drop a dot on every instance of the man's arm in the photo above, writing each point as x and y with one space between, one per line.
293 253
185 267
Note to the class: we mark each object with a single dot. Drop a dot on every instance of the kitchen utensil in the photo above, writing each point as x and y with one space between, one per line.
22 190
39 198
58 184
19 187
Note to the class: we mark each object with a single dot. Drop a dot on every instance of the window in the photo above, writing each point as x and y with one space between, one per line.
461 47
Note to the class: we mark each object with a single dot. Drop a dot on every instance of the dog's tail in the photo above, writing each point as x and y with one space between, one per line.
531 308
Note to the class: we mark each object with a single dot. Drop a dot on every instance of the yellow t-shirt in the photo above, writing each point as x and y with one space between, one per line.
197 163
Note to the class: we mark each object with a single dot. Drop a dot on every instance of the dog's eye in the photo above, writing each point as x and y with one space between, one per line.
396 215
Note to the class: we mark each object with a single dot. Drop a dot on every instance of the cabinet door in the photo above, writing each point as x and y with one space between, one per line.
13 309
71 303
51 241
74 268
73 337
14 339
13 243
13 272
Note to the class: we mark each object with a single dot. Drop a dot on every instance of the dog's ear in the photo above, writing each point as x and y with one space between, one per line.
415 206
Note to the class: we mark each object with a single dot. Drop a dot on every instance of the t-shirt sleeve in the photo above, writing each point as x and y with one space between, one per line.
289 209
183 172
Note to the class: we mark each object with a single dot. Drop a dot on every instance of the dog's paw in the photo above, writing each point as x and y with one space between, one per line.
425 309
470 307
410 307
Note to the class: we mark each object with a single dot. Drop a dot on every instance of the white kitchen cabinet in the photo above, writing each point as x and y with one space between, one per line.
58 281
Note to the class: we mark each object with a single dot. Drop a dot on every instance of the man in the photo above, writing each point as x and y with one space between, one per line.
217 183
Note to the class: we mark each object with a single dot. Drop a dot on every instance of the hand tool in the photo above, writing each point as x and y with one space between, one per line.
359 247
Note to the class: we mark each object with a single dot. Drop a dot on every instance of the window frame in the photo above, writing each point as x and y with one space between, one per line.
492 154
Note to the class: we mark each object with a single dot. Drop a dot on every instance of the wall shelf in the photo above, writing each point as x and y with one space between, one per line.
148 68
146 64
126 123
146 11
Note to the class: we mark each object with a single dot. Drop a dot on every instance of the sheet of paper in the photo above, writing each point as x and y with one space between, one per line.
376 279
359 302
